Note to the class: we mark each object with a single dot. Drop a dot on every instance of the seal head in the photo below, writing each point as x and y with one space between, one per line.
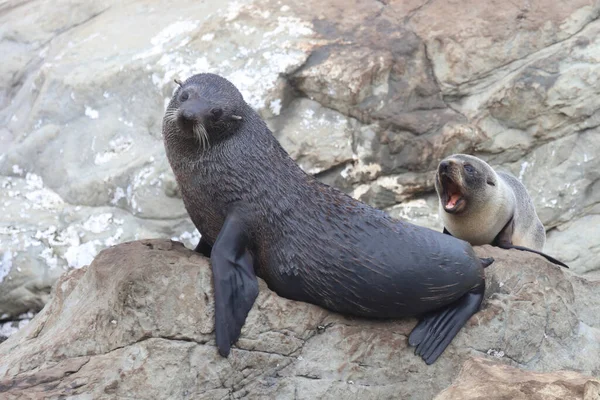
204 109
482 206
463 182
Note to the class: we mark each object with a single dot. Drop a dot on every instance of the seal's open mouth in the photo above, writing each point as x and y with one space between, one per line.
452 196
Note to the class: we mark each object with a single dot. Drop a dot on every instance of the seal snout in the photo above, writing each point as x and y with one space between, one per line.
444 167
188 115
198 111
197 115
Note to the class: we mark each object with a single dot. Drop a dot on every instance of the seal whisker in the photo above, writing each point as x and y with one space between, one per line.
198 134
206 137
170 115
201 135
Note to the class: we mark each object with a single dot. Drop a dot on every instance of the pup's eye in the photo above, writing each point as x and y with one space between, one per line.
184 96
469 168
216 113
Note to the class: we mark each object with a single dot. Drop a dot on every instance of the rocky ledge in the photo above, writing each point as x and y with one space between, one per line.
139 322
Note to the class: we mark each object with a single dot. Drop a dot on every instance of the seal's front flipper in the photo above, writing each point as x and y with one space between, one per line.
235 283
203 247
504 241
436 329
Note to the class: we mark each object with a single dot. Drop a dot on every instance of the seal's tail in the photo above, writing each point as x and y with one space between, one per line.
436 329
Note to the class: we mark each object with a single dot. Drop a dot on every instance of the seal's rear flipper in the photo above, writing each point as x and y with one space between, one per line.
235 283
546 256
436 329
504 241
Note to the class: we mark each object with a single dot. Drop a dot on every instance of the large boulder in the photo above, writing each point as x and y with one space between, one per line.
138 323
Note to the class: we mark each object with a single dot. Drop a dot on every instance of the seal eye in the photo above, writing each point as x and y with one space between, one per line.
216 113
469 168
184 96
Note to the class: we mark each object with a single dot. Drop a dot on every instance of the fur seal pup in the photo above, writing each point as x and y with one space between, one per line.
260 214
482 206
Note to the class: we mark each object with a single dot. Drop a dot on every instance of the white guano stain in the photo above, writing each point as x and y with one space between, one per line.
166 36
524 166
91 113
5 264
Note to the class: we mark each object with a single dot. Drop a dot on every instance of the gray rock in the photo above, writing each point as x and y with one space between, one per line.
576 243
8 327
316 137
474 50
46 236
138 322
419 211
561 177
110 107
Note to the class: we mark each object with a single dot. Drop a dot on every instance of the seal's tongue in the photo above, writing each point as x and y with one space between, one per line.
453 194
452 200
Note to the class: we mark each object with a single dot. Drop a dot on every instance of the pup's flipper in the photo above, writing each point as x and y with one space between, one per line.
504 241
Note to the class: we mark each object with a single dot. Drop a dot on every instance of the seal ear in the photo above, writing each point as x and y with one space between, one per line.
177 81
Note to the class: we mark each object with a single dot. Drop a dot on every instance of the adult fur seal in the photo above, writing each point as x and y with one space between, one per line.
260 215
482 206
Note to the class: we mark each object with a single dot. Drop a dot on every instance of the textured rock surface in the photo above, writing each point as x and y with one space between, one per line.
139 322
483 379
368 100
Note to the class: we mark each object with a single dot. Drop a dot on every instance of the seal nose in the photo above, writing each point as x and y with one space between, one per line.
195 110
444 166
187 114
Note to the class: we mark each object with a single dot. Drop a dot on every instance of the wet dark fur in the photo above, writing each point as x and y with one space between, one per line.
311 242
